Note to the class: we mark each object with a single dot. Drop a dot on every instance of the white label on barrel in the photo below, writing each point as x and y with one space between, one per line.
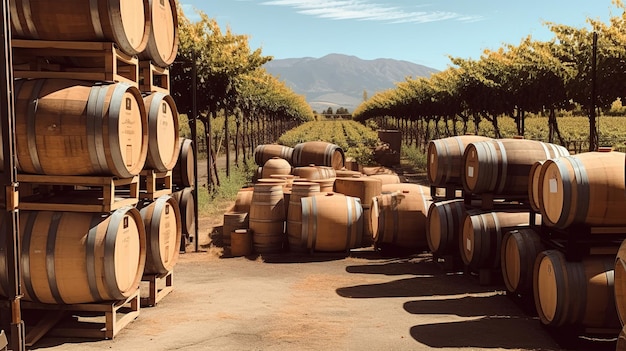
469 245
432 158
470 172
553 186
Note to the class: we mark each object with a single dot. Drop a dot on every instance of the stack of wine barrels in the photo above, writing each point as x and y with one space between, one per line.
183 182
68 126
581 200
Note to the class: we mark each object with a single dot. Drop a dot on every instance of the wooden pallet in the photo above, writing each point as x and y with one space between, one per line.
153 78
580 240
91 320
155 184
159 286
97 61
77 193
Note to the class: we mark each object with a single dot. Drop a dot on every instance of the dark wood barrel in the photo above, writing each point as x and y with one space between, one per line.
233 221
620 283
162 46
398 219
332 222
502 166
520 248
313 172
162 220
127 22
262 153
164 142
445 159
586 188
319 153
533 186
73 257
480 240
183 172
575 293
241 242
445 219
68 127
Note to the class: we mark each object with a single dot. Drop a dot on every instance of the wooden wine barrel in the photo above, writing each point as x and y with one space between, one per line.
319 153
232 222
162 46
365 188
294 214
390 188
162 221
620 283
480 241
387 178
164 143
445 159
243 200
313 172
275 165
326 185
621 340
445 219
73 257
533 186
332 222
241 242
183 172
502 166
127 23
346 173
186 206
262 153
399 218
520 248
68 127
586 188
575 293
267 218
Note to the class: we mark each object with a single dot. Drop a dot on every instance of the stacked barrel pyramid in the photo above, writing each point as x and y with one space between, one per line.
96 140
549 223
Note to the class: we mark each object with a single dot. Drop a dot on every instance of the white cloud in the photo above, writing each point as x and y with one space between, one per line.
365 10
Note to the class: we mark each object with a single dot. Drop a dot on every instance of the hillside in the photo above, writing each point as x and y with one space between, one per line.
339 80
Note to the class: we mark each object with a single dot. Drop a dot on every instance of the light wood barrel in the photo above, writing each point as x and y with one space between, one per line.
445 159
243 200
533 186
186 206
584 188
445 219
319 153
620 283
162 46
275 165
267 218
68 127
72 257
313 172
575 293
127 22
520 248
332 222
326 185
162 220
241 242
346 173
262 153
183 172
480 241
365 188
164 142
387 178
399 218
299 190
502 166
232 222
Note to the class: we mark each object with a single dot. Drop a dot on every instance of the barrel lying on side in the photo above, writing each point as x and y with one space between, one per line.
127 23
162 44
262 153
162 220
445 220
183 172
164 143
72 257
445 159
319 153
69 127
520 248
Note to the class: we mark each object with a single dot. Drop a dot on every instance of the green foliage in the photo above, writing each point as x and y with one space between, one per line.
415 156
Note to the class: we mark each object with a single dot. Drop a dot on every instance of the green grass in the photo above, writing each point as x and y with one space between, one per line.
217 202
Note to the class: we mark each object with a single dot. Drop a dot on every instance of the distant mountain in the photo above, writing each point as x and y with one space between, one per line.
339 80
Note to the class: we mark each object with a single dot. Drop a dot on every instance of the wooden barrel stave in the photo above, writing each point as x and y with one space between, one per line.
183 172
267 217
294 214
164 142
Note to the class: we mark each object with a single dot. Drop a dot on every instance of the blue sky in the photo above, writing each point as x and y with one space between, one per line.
420 31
